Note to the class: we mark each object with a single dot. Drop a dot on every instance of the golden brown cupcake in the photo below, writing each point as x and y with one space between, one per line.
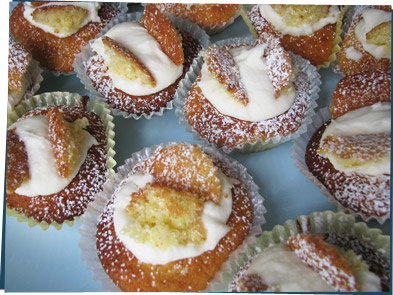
367 44
172 220
249 94
306 30
213 18
139 76
67 144
55 32
350 154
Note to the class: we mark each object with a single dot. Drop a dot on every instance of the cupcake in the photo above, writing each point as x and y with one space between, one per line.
213 18
311 31
323 252
55 32
24 74
347 150
63 137
169 219
139 76
367 43
248 95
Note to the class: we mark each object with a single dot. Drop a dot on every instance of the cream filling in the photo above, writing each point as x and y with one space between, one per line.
262 103
371 19
91 7
214 218
279 24
137 40
283 271
367 120
33 131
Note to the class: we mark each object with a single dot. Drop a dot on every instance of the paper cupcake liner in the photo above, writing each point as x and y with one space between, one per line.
34 82
298 154
316 223
69 99
337 39
87 242
300 64
87 52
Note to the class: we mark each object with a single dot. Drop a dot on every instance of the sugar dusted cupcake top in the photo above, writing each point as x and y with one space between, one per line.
187 205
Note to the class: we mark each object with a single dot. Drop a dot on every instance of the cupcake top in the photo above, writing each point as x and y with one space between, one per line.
138 65
234 79
173 218
54 148
299 20
61 19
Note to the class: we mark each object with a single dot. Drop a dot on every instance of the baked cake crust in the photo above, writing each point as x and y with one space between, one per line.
72 200
56 54
189 274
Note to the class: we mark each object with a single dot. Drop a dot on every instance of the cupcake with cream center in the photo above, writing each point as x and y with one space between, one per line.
248 96
138 76
170 219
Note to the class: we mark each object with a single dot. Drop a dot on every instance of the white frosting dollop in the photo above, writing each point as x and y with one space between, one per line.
44 176
136 39
279 24
367 120
91 7
214 219
262 103
371 19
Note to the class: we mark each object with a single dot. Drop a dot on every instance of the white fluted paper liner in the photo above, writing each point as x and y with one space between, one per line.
69 99
315 223
300 65
87 242
298 155
34 81
87 52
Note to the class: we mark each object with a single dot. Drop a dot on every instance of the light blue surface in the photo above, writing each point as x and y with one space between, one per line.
50 261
